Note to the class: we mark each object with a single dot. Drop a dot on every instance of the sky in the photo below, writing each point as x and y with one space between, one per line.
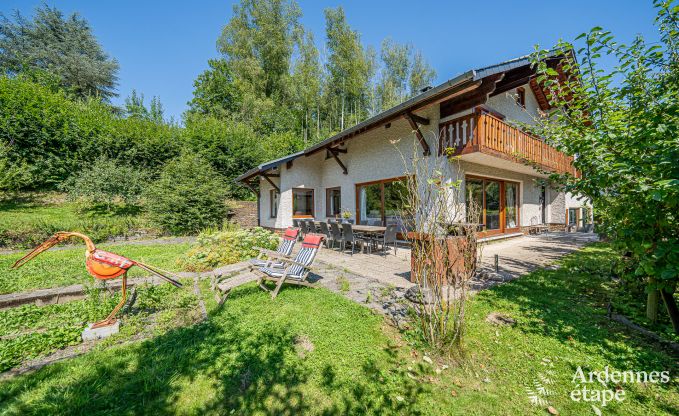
162 45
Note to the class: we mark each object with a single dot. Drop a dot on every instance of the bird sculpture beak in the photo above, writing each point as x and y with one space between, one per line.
39 249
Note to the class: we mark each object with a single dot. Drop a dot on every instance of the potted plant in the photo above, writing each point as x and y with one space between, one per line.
346 216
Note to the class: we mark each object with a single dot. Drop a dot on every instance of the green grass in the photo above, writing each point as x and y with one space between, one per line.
67 266
29 219
246 359
30 331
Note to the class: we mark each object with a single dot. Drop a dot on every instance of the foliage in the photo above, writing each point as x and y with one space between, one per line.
214 249
623 126
27 220
106 182
404 73
214 92
135 108
32 331
443 265
55 136
188 196
350 67
13 176
63 45
66 266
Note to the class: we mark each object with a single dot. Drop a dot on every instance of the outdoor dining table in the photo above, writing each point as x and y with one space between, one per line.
371 229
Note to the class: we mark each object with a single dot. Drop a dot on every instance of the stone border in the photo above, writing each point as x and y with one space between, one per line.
65 294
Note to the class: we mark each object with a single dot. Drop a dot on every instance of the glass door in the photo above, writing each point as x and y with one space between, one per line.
492 191
493 203
511 204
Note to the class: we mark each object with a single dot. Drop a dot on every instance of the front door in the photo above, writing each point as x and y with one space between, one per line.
493 203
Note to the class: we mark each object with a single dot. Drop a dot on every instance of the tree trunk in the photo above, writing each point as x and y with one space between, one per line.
652 306
671 306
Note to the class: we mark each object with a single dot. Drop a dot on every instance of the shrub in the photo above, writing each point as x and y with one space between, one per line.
106 182
188 196
214 249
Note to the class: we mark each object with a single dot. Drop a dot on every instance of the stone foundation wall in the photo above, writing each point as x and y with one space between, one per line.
243 213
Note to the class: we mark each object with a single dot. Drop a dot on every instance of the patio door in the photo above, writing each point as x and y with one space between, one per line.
493 203
380 202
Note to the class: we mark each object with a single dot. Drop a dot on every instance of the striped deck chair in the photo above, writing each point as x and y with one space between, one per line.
295 271
264 258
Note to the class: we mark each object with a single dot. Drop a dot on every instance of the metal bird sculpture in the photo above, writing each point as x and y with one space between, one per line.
101 265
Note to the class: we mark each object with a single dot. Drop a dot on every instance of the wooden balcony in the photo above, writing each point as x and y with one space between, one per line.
485 133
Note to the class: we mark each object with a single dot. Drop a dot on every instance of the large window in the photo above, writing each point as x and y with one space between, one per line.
333 202
381 202
302 203
493 203
273 201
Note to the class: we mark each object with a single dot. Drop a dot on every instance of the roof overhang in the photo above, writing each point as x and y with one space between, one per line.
520 68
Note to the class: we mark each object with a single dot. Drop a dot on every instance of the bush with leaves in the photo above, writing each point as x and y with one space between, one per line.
218 248
623 125
13 176
106 183
188 196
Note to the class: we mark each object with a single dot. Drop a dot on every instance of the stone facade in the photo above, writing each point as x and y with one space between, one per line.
243 213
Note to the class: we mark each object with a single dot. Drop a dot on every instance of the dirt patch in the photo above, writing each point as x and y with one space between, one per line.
496 318
303 345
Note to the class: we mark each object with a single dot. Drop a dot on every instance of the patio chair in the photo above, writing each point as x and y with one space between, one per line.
389 237
348 236
336 233
263 259
295 271
223 284
326 232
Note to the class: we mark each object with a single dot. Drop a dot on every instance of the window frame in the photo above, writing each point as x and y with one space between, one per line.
503 229
328 198
521 96
381 182
313 202
273 208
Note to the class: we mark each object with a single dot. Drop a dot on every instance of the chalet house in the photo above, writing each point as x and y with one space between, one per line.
360 170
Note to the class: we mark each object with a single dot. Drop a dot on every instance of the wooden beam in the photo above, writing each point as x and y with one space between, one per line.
265 176
419 119
435 99
472 98
337 159
418 133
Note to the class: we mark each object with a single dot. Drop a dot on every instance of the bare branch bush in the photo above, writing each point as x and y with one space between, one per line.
443 236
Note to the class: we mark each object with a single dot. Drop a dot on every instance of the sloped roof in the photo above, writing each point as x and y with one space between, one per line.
411 104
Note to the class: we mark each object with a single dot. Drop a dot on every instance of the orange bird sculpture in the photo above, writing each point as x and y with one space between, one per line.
101 265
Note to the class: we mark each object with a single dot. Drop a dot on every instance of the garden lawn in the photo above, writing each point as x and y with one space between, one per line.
66 266
31 331
29 219
314 352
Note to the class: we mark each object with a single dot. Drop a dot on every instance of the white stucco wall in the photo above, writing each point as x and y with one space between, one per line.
372 156
505 103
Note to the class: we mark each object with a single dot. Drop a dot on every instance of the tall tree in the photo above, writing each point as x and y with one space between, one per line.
61 45
258 43
307 78
215 93
135 108
421 74
623 126
393 85
350 68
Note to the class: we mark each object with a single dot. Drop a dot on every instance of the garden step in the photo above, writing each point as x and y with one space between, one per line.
64 294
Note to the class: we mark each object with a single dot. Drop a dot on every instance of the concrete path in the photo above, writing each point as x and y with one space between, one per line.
516 256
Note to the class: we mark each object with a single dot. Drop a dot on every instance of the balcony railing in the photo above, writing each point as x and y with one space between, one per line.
485 133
